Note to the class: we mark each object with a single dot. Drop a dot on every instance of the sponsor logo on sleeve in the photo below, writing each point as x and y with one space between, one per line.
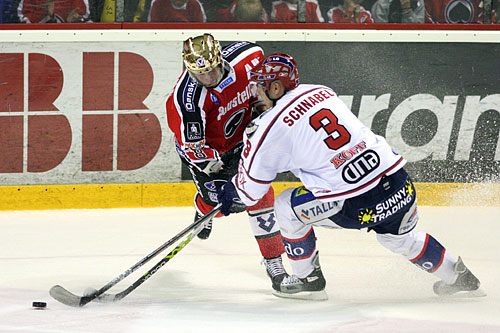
231 48
193 131
188 95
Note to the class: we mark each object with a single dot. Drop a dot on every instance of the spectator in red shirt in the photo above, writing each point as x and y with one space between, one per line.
286 11
349 12
243 11
177 11
49 11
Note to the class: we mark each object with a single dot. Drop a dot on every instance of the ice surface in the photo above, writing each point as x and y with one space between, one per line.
219 285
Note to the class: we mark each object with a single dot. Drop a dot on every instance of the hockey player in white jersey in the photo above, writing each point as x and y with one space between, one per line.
351 179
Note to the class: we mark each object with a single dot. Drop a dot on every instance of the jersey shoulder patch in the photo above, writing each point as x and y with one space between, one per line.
251 128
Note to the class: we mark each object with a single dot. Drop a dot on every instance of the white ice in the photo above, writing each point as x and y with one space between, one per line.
219 285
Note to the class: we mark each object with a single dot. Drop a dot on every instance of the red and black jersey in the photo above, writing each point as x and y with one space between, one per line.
208 122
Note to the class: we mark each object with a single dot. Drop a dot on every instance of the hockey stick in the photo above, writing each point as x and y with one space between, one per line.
108 298
64 296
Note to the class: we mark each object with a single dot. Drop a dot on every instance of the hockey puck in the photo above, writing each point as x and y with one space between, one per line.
39 305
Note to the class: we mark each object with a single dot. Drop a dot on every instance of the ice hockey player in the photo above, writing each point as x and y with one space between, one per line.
351 179
208 111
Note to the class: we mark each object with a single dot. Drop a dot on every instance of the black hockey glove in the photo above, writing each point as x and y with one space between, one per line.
232 156
229 199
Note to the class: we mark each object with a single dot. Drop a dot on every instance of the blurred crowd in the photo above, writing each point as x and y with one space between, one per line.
264 11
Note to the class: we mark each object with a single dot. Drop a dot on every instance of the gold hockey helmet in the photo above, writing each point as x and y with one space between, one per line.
201 54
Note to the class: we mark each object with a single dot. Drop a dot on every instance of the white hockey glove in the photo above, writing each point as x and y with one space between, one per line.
213 167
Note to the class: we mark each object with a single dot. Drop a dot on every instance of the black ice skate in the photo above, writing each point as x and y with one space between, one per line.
466 282
310 288
205 232
275 270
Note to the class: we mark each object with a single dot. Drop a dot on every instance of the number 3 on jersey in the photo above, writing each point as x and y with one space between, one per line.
338 135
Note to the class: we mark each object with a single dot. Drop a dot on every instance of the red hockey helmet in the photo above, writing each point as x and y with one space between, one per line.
277 66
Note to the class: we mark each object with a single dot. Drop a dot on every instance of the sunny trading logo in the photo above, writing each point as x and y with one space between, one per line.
388 207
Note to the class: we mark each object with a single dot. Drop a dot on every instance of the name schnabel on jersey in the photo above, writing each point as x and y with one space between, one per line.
399 200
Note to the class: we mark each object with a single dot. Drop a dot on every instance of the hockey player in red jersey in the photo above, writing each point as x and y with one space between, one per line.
351 179
208 110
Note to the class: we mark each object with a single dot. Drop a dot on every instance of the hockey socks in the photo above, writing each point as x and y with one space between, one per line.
433 258
301 251
270 245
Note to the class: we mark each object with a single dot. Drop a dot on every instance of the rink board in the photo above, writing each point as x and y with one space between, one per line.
181 194
88 106
84 124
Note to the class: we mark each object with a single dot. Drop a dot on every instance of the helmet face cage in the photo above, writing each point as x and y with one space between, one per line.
278 66
201 54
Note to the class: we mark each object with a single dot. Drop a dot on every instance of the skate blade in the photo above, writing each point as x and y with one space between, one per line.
304 295
466 294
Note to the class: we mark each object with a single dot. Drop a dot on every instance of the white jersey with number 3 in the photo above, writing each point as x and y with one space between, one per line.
313 134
